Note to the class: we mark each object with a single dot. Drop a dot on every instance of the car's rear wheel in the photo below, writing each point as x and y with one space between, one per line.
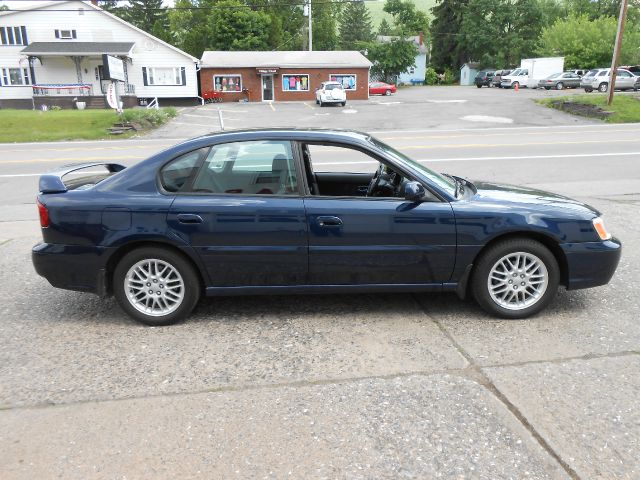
478 85
387 92
156 286
588 90
343 103
559 86
515 278
603 87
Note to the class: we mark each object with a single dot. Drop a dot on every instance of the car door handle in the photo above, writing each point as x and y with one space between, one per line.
189 218
329 221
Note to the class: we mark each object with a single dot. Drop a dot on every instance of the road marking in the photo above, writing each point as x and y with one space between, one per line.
486 119
447 101
272 107
192 124
108 159
308 106
526 144
349 110
84 149
481 133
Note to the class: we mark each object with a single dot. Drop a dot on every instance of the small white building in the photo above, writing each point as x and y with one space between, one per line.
468 72
51 54
416 73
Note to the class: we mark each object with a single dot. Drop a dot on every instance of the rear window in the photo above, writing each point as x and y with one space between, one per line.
86 178
332 86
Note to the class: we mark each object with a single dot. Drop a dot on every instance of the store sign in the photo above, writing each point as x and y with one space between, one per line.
113 68
267 70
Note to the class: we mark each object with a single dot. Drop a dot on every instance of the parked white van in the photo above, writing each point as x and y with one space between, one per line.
531 71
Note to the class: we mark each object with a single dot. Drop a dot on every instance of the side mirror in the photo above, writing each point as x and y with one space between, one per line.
414 191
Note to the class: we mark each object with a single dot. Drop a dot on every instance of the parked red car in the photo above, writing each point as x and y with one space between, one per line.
381 88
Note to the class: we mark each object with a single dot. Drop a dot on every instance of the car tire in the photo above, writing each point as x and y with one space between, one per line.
547 88
479 86
387 92
320 103
536 269
588 90
343 103
559 86
317 102
603 87
177 297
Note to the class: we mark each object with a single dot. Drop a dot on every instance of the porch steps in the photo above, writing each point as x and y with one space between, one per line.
96 102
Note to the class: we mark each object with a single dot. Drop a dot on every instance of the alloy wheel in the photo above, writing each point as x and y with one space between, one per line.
154 287
517 281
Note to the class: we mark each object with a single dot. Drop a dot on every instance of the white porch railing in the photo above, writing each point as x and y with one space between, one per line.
62 89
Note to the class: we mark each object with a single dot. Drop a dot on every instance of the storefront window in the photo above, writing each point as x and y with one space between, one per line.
347 80
227 83
295 83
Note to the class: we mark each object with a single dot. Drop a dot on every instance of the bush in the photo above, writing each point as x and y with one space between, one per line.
150 117
431 77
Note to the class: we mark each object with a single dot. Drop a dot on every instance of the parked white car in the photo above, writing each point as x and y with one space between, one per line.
599 80
331 92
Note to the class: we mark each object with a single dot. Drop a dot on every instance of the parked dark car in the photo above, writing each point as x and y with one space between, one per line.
497 77
635 69
559 81
483 78
255 212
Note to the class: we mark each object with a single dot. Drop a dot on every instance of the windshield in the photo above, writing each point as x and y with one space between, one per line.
441 181
516 72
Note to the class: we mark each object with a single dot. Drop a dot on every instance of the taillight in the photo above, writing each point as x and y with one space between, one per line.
44 214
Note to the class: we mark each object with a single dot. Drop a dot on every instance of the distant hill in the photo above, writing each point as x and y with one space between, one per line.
375 7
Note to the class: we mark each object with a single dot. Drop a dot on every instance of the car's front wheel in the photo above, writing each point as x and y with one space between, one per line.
515 278
156 286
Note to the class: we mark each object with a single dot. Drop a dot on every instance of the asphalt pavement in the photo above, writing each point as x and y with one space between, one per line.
340 386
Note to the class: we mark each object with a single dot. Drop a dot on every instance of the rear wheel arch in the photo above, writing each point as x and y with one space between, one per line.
549 242
123 250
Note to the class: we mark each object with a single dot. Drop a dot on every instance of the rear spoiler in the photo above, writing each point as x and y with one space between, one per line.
52 182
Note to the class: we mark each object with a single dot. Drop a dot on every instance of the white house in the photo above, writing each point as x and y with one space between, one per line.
52 53
416 73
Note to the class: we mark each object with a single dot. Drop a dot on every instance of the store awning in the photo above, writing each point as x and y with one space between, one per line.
63 48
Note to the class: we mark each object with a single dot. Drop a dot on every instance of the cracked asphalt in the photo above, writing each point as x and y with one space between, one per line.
334 386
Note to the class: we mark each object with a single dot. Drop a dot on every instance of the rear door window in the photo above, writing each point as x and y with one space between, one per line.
175 175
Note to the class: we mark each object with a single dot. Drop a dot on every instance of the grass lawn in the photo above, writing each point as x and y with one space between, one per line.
625 107
52 125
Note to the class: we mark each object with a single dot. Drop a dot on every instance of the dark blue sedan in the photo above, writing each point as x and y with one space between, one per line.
250 212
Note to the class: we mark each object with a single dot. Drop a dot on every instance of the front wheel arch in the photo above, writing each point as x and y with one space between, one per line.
115 258
545 240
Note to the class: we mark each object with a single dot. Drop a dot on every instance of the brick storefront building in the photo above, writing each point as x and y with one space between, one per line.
282 75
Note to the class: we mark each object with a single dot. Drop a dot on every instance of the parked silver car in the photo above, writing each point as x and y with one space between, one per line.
599 80
560 81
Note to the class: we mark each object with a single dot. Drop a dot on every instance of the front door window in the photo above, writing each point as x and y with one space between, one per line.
267 88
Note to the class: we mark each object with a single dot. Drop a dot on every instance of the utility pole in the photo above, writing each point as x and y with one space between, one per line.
616 49
311 29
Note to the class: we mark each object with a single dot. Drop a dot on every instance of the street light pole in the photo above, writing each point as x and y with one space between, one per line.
616 49
310 29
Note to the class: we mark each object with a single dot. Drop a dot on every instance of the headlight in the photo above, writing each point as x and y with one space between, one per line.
598 225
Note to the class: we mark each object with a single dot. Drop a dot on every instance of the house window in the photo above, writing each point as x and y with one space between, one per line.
227 83
13 35
295 83
15 77
348 80
65 34
162 76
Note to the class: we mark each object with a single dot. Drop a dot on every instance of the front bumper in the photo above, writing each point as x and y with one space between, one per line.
72 267
591 264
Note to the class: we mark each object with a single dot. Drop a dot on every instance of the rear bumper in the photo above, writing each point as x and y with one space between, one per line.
72 267
591 264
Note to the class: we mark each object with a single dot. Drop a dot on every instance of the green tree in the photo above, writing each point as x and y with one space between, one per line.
586 43
406 18
325 21
355 25
148 15
446 49
232 27
384 28
3 7
392 58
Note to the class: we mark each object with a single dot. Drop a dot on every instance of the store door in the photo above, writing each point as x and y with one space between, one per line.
267 88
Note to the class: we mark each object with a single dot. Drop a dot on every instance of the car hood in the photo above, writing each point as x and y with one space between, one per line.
524 196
